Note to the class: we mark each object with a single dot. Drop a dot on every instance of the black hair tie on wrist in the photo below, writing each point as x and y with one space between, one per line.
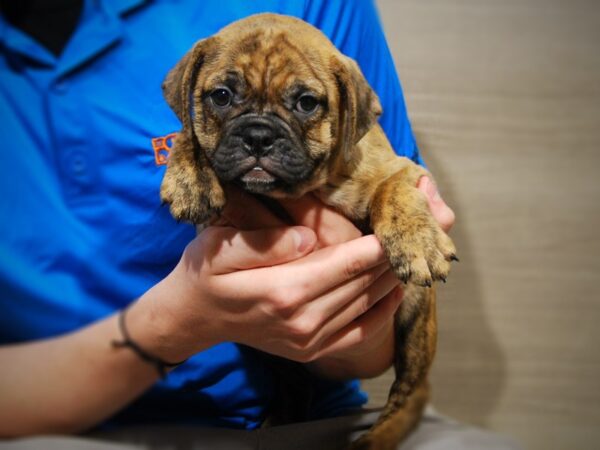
161 366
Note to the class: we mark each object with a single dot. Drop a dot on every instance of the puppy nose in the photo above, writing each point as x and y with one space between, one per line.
258 139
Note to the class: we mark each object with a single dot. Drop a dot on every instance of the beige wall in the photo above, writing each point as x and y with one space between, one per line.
504 97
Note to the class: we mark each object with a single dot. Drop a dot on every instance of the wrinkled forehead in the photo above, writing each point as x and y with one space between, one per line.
268 61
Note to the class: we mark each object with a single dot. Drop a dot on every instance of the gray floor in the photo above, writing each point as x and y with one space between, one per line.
434 433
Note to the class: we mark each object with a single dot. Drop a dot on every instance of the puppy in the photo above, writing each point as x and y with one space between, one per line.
270 104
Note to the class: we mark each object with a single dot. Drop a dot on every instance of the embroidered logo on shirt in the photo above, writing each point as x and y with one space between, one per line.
162 146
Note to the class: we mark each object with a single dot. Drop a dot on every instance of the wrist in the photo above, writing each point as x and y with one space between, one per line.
126 341
153 322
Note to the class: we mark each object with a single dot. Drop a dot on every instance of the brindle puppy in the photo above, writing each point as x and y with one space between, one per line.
271 105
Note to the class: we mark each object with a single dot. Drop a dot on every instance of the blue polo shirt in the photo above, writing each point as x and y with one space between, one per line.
82 229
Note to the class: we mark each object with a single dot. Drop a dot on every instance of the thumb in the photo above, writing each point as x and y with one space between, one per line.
228 249
441 212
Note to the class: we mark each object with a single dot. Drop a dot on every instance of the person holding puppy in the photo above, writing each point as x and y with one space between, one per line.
85 237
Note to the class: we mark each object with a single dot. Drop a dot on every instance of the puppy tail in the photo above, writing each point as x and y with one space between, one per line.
398 419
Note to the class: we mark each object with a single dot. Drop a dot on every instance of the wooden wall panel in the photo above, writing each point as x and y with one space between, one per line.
504 97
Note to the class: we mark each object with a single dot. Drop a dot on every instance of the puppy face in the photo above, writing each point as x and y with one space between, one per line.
273 106
265 118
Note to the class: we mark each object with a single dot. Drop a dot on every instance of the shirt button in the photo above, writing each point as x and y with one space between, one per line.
60 87
78 164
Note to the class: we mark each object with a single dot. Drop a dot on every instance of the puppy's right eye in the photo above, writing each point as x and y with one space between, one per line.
221 97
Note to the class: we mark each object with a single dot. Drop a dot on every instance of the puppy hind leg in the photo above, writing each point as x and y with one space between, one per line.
398 423
415 349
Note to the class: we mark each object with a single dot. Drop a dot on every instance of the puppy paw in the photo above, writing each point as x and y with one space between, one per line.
417 248
192 197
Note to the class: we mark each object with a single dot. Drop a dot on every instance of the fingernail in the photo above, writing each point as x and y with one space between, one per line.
432 191
303 238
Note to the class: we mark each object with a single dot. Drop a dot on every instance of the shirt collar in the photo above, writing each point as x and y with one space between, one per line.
14 40
124 6
99 27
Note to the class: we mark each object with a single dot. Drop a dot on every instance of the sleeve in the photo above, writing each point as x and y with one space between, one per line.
355 29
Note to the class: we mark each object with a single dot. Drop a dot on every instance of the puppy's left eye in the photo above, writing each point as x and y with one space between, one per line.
307 104
221 97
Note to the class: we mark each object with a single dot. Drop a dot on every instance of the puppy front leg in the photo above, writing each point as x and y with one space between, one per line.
190 186
417 248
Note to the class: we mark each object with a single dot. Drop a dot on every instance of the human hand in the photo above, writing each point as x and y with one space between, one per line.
265 288
303 320
349 352
373 352
441 212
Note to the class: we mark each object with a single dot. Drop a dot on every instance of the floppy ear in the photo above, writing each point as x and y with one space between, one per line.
359 104
190 186
178 86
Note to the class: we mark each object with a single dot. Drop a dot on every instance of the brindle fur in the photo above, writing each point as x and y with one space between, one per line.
352 167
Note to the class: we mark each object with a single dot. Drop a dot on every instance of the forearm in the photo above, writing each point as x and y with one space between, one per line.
72 382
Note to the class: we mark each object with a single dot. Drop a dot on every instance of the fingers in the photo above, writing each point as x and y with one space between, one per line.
367 325
441 212
306 279
361 304
227 249
331 227
337 299
305 332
